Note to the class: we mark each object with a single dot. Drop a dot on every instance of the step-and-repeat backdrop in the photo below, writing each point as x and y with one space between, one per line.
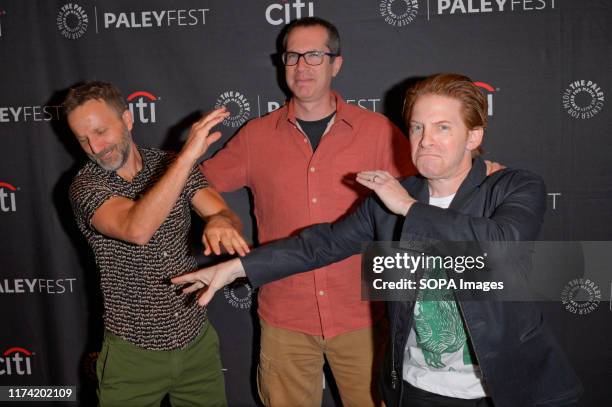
544 65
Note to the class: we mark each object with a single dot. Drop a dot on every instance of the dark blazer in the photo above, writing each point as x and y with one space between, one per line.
520 360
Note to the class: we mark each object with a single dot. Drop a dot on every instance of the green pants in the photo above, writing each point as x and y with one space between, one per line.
132 376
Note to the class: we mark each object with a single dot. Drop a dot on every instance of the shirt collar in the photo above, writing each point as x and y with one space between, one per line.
343 114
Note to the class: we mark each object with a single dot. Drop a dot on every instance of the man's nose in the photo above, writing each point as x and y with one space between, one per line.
427 137
301 62
95 145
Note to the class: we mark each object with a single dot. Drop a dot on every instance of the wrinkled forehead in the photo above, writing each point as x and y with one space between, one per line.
92 113
98 107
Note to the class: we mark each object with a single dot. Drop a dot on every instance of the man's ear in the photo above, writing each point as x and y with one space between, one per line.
128 119
474 138
337 64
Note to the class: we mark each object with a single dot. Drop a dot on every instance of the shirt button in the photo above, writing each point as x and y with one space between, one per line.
312 169
305 140
314 200
321 292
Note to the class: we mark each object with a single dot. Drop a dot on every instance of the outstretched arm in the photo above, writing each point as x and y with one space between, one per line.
517 216
210 279
314 247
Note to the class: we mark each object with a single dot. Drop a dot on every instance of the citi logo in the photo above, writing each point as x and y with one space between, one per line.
143 103
8 202
16 361
285 11
489 90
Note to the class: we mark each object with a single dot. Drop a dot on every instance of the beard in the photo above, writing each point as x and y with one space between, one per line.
117 160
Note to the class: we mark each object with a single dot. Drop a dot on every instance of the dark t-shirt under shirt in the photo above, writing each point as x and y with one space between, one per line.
315 129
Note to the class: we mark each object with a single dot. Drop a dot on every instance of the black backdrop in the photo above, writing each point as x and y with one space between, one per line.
544 64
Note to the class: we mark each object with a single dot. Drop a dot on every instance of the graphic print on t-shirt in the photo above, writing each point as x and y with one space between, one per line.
438 324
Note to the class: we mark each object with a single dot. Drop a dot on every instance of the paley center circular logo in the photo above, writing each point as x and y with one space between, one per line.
583 99
239 296
581 296
238 106
399 13
72 21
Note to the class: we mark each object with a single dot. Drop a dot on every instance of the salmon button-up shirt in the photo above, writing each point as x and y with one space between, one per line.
294 187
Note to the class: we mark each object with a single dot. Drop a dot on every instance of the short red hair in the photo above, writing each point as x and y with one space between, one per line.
460 87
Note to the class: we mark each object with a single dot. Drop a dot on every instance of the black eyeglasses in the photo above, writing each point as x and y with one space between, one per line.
311 57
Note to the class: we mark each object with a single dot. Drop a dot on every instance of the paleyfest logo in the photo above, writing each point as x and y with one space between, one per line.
581 296
14 286
490 6
72 21
583 99
398 13
238 106
29 113
156 18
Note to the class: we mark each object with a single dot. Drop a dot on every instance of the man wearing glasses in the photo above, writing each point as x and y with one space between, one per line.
300 163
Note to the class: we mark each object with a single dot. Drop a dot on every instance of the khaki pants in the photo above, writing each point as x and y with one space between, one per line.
130 376
290 372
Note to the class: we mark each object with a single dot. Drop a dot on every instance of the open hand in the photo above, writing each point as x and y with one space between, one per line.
200 138
209 280
388 189
220 231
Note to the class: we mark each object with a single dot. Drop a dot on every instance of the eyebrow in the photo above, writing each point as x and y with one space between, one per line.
438 122
305 52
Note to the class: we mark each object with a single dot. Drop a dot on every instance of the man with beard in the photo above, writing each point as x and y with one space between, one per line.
133 206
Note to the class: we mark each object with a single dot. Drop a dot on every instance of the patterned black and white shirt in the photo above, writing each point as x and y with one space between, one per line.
140 304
